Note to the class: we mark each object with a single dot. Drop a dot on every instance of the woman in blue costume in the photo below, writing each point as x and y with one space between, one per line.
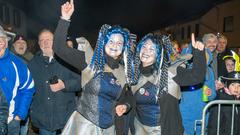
157 92
103 78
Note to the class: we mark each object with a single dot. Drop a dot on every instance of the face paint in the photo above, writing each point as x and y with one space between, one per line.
114 46
148 53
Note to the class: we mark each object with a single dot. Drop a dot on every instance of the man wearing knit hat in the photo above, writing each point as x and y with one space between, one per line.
17 85
20 48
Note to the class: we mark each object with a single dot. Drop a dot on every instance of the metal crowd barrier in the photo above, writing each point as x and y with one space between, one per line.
209 105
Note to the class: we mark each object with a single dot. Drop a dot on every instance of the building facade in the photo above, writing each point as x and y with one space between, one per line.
223 18
12 19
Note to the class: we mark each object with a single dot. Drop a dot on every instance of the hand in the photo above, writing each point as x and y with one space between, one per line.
121 109
197 44
67 10
208 92
218 85
17 118
58 86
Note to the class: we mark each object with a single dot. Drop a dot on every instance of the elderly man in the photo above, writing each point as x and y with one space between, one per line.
20 48
56 85
17 84
222 51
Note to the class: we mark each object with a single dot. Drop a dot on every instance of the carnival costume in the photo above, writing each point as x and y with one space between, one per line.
103 79
157 92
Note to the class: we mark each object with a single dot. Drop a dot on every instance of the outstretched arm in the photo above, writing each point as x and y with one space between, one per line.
74 57
196 75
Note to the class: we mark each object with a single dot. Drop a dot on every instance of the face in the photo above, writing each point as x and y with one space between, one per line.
211 44
3 45
114 46
148 53
20 46
230 65
234 89
70 44
222 44
45 42
185 45
176 50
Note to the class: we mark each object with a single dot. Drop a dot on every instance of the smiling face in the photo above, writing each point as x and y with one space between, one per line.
211 44
148 53
114 46
45 41
3 45
20 46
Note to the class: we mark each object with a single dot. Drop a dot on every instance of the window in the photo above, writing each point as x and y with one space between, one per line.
228 24
1 11
182 33
188 31
16 18
196 30
4 13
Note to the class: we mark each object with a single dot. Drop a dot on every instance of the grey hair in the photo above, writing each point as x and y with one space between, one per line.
206 37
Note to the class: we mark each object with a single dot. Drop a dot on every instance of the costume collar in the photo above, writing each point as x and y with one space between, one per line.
112 63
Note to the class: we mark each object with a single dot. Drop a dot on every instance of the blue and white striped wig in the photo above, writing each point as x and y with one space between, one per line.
157 45
99 57
160 65
159 52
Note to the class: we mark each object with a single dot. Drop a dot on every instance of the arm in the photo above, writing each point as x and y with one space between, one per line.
74 57
72 82
125 102
26 91
3 113
196 75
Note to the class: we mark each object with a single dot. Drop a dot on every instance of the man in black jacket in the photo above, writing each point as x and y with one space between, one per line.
56 85
3 113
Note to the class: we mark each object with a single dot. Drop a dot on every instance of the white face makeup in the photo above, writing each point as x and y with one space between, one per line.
148 53
114 46
20 46
234 89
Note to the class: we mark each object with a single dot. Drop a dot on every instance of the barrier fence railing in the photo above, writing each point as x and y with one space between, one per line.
233 103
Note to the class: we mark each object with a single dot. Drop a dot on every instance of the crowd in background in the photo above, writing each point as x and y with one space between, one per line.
46 103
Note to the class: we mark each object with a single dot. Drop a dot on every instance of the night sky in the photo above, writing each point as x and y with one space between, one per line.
139 16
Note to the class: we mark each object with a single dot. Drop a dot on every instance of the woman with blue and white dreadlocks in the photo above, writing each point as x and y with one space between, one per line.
157 91
103 78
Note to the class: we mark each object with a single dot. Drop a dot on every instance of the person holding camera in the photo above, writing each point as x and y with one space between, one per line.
56 85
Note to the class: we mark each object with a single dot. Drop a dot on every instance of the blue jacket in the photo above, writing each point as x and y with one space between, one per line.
17 84
191 104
